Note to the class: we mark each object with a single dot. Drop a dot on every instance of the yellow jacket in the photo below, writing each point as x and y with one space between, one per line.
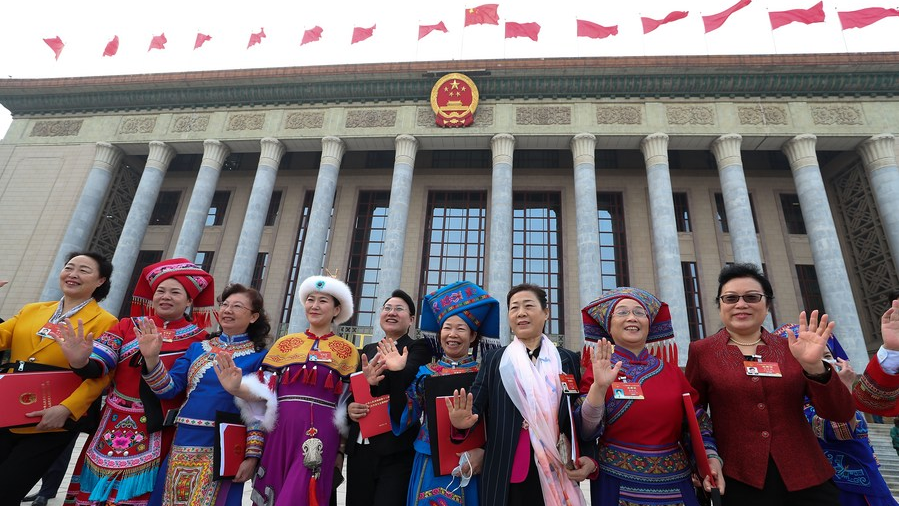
19 335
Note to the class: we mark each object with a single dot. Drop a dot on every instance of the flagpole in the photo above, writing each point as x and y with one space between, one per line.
842 32
773 39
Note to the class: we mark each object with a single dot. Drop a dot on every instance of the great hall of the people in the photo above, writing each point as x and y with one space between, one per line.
578 175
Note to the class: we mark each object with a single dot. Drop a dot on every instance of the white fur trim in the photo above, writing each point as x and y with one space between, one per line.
264 410
341 417
333 287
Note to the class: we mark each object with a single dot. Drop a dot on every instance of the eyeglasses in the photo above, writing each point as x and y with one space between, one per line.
393 309
637 312
234 307
750 298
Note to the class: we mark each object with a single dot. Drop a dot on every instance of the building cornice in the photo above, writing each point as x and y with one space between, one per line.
755 76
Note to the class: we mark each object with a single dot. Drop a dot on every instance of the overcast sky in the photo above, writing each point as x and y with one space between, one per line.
86 27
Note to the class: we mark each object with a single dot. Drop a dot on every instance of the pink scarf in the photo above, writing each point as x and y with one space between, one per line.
536 391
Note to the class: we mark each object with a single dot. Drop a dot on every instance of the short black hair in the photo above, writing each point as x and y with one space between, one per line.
400 294
744 270
105 266
528 287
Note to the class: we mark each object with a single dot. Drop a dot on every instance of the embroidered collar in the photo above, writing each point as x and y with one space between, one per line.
239 338
446 362
313 336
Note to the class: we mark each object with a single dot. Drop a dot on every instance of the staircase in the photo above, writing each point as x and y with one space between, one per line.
879 434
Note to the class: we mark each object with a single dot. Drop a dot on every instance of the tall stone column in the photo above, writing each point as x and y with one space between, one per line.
317 230
665 245
500 257
161 155
214 154
391 271
879 156
740 225
822 236
257 209
84 218
583 148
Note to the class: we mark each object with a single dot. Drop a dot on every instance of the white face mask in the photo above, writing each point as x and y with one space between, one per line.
463 470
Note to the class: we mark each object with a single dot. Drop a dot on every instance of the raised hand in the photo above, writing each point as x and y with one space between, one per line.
459 407
149 341
76 346
604 374
391 356
809 345
846 373
889 327
374 370
228 373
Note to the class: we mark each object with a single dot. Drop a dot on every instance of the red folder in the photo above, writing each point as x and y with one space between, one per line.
702 460
230 445
448 448
377 421
25 392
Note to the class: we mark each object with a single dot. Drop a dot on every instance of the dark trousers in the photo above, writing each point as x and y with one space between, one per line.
24 458
52 479
528 492
775 492
377 480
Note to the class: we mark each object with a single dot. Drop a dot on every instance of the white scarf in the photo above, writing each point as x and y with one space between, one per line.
536 391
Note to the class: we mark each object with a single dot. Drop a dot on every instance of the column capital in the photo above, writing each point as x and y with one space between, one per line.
272 150
333 149
503 146
406 149
583 147
800 151
878 152
214 153
107 156
161 154
655 149
727 150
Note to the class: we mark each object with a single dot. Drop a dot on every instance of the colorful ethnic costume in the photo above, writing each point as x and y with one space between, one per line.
641 451
120 462
848 449
300 382
186 476
480 312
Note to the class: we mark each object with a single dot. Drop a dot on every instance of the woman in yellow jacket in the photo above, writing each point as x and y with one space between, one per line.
31 336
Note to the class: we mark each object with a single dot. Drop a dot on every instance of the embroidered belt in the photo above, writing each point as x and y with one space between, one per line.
194 421
304 398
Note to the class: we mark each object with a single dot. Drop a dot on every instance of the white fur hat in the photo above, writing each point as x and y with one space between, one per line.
333 287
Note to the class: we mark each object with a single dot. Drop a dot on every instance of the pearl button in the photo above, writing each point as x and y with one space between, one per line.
761 405
765 434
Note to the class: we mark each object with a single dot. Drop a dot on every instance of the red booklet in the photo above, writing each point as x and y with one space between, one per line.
25 392
231 445
377 421
448 447
702 460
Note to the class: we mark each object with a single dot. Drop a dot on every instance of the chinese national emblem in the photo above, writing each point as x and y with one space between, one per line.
454 99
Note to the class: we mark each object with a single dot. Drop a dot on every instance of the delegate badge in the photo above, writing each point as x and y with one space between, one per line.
624 390
569 385
49 331
319 356
168 335
767 369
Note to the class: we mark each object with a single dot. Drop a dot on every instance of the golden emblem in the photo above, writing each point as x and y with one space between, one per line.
454 99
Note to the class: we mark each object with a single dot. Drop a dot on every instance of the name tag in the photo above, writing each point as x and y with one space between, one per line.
168 335
216 351
569 385
49 331
319 356
624 390
767 369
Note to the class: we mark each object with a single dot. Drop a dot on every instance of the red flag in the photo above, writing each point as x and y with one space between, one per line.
814 14
715 21
56 45
112 47
312 35
256 38
862 17
595 31
482 15
424 30
201 38
360 34
158 42
650 24
529 30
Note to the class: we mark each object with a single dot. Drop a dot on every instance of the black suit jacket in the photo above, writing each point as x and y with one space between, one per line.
494 407
394 381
